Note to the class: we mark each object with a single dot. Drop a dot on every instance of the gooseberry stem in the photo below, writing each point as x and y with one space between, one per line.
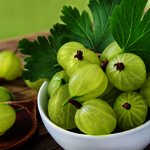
20 109
75 103
56 65
92 49
119 66
104 64
79 55
126 105
98 54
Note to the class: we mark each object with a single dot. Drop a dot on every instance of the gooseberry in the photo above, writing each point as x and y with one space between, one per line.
126 71
131 110
10 65
94 117
65 51
59 78
7 117
111 94
61 116
89 81
145 90
80 58
5 95
35 85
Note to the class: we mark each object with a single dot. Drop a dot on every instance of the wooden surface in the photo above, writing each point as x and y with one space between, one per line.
42 140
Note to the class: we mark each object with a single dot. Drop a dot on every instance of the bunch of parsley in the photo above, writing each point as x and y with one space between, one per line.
113 20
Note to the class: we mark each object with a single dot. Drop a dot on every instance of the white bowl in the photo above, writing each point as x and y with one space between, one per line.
135 139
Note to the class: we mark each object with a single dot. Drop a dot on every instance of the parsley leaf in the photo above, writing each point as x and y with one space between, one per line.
59 36
81 29
130 30
42 54
41 64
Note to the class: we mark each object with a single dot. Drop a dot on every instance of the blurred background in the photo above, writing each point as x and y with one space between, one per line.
22 17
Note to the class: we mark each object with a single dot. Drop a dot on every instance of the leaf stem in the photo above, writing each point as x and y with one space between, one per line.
77 104
56 65
20 109
15 51
65 103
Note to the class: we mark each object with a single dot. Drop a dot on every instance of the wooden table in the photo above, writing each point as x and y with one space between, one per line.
42 140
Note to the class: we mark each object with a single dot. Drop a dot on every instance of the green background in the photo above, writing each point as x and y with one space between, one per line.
22 17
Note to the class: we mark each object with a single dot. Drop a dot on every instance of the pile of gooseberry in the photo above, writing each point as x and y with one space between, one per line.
97 94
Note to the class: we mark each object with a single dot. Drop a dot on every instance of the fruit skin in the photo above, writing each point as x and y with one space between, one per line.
66 50
7 117
57 80
5 95
87 82
10 65
111 94
110 51
145 90
61 116
131 77
95 117
74 63
133 117
35 85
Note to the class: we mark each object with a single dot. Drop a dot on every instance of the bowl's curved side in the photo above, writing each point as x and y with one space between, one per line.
137 138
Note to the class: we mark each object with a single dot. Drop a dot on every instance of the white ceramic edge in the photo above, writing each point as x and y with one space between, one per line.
63 130
68 133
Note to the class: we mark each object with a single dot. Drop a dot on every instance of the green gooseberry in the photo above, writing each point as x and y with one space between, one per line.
10 65
61 116
94 117
5 95
35 85
126 71
59 78
131 110
145 90
80 58
65 51
111 94
7 117
88 81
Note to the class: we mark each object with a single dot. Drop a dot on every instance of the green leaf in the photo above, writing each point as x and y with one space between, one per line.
59 36
131 32
101 12
81 27
42 54
41 64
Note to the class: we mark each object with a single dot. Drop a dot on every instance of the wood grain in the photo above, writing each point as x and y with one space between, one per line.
43 140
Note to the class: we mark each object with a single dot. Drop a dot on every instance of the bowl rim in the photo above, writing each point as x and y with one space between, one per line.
44 117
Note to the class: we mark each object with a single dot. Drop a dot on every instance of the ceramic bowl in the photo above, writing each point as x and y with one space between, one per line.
134 139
